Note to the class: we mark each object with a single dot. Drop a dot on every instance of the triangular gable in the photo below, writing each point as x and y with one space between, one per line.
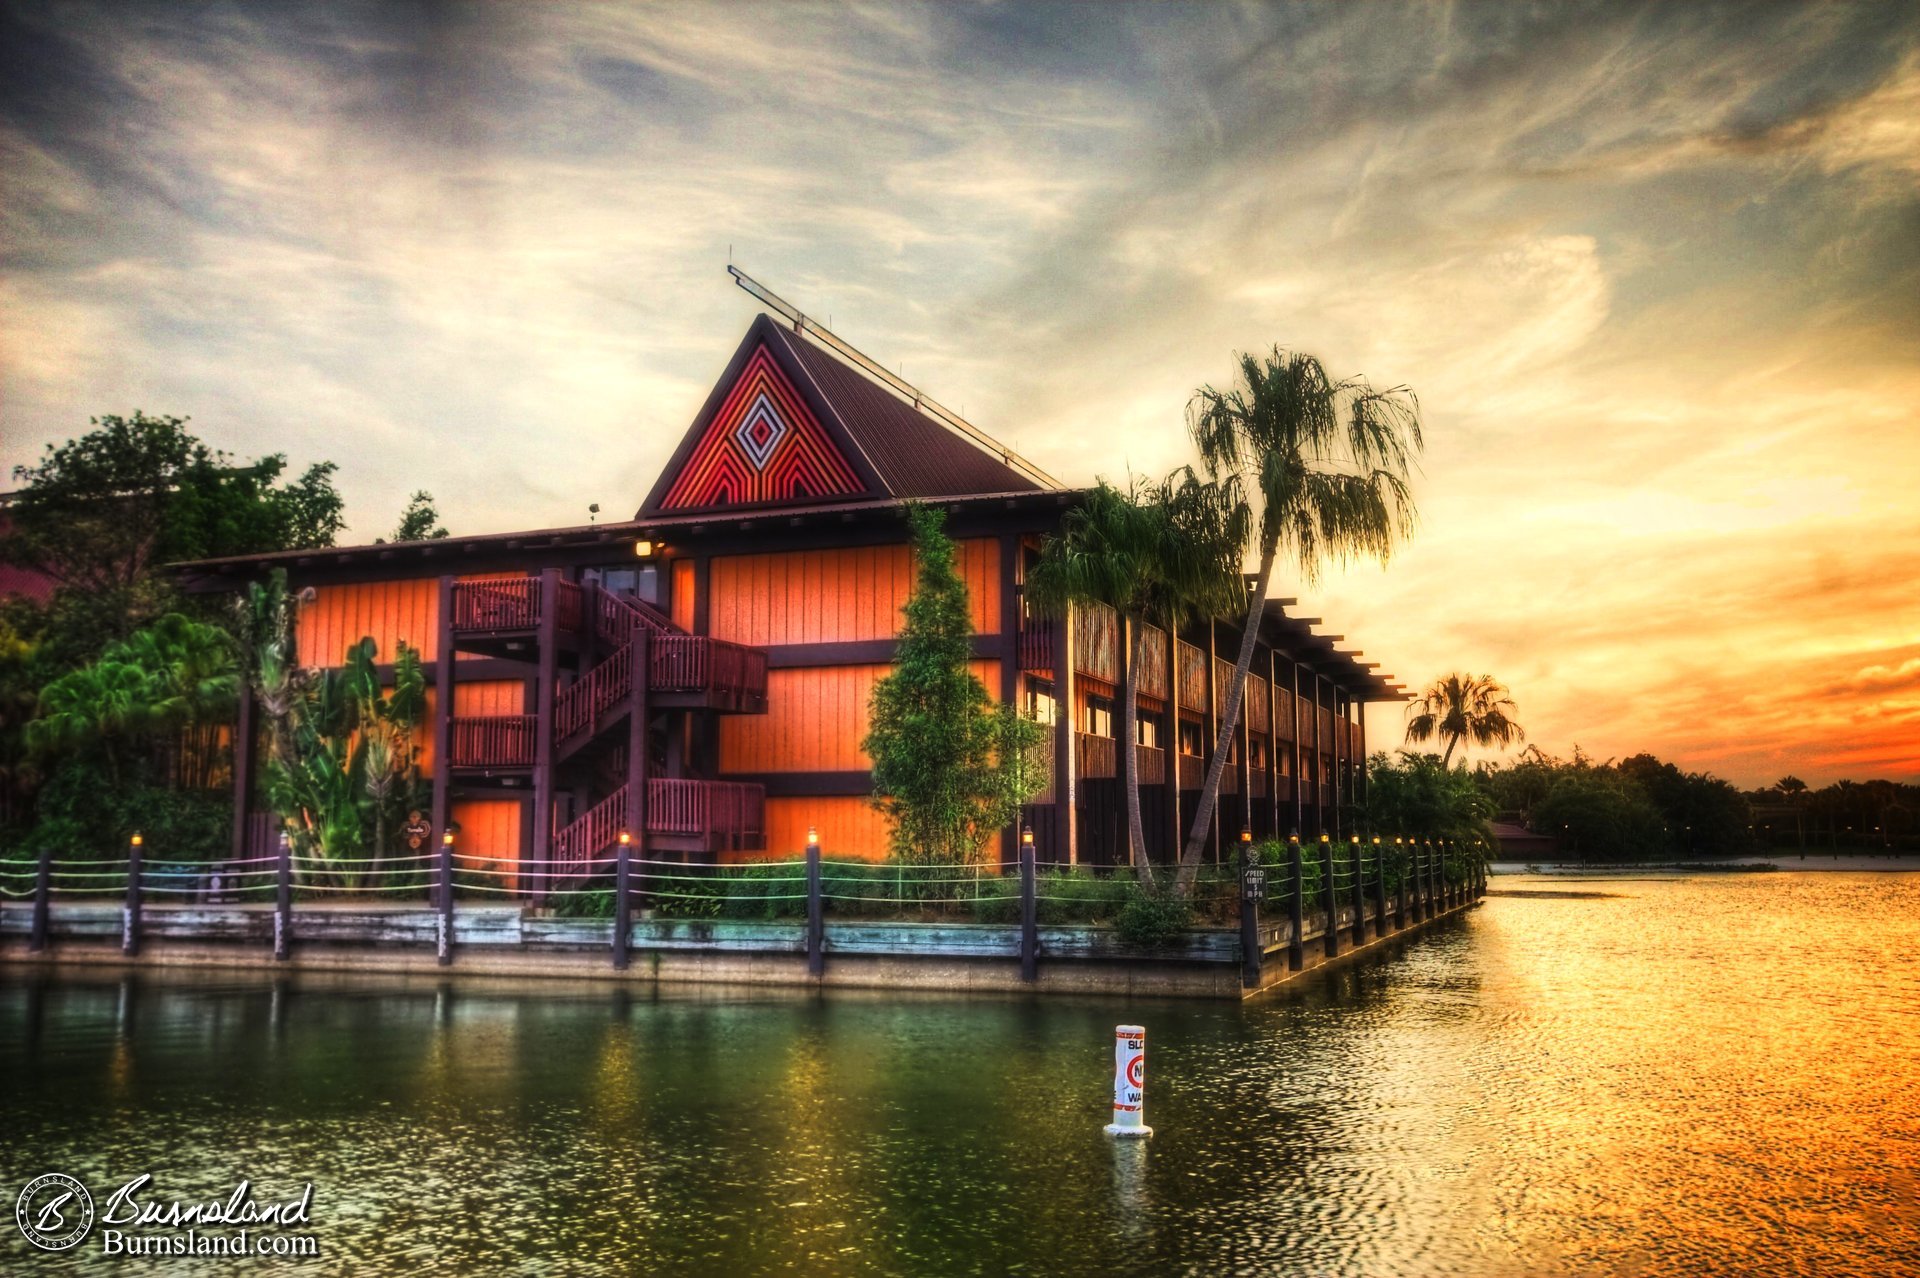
763 443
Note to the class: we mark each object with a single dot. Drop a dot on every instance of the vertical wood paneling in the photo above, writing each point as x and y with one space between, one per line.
489 696
683 594
850 829
387 611
835 596
489 837
816 718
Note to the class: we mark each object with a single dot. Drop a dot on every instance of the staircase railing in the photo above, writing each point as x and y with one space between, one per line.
582 702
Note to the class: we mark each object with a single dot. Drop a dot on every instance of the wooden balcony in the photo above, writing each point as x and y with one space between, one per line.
1153 765
683 815
493 741
510 605
1098 759
1193 771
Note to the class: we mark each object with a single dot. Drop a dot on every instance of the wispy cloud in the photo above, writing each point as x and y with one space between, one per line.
1651 269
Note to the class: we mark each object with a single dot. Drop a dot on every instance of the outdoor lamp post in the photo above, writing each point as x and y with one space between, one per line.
130 938
816 918
1253 886
1029 909
446 897
1359 893
1333 897
622 885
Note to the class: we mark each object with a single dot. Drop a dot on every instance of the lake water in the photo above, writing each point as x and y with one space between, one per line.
1707 1075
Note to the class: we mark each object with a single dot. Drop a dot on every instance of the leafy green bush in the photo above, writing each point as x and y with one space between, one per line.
1153 920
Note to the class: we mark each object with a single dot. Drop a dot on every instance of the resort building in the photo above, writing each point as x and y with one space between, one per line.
699 675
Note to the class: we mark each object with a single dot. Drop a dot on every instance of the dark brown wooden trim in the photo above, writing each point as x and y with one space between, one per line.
443 713
244 743
792 785
877 652
1065 761
543 777
1011 588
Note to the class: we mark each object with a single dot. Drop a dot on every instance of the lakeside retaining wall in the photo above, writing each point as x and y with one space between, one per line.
969 957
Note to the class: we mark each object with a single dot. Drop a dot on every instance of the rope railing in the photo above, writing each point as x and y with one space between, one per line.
1333 885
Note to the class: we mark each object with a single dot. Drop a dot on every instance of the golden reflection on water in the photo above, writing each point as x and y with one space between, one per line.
1710 1075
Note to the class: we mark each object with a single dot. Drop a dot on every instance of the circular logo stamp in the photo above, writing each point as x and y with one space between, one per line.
54 1211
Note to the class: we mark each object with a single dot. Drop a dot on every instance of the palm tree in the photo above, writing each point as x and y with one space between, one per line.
1462 708
1153 552
1328 462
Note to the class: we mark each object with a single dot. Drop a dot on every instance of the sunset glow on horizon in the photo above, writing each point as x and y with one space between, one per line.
1653 272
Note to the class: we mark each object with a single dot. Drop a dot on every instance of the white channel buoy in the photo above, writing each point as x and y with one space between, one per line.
1129 1082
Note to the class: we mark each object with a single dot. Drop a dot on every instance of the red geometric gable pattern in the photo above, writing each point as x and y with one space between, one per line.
762 446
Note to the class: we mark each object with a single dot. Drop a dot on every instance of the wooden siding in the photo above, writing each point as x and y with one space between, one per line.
816 718
489 835
388 611
835 596
682 609
1151 678
1193 677
849 825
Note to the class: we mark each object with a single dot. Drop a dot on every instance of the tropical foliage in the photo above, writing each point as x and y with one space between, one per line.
950 769
1166 554
102 512
342 762
1459 709
1418 796
1327 465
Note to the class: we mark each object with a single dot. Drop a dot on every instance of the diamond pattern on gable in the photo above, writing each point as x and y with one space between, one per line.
760 432
762 445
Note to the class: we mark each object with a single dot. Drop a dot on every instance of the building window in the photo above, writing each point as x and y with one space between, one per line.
1149 731
641 582
1189 738
1257 754
1100 716
1040 703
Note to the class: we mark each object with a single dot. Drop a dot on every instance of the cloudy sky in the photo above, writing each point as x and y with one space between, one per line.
1654 272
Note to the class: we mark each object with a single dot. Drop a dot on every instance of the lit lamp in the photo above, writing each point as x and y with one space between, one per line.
1026 836
136 840
626 840
643 549
813 837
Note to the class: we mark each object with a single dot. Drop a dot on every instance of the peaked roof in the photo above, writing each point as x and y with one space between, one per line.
884 444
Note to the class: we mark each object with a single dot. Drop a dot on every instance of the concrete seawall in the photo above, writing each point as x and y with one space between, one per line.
507 942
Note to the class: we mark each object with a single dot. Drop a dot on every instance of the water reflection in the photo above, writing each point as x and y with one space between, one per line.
1697 1076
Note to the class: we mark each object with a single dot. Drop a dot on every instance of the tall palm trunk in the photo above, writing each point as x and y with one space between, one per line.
1133 640
1229 721
1446 760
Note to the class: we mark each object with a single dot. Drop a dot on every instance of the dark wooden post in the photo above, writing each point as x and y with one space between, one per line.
816 913
1379 890
1297 906
1252 887
1359 893
243 760
639 758
444 654
1066 821
1273 739
1029 911
1335 713
1298 778
444 949
1210 740
42 897
548 644
130 932
1332 894
1010 589
283 900
1170 782
622 918
1400 898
